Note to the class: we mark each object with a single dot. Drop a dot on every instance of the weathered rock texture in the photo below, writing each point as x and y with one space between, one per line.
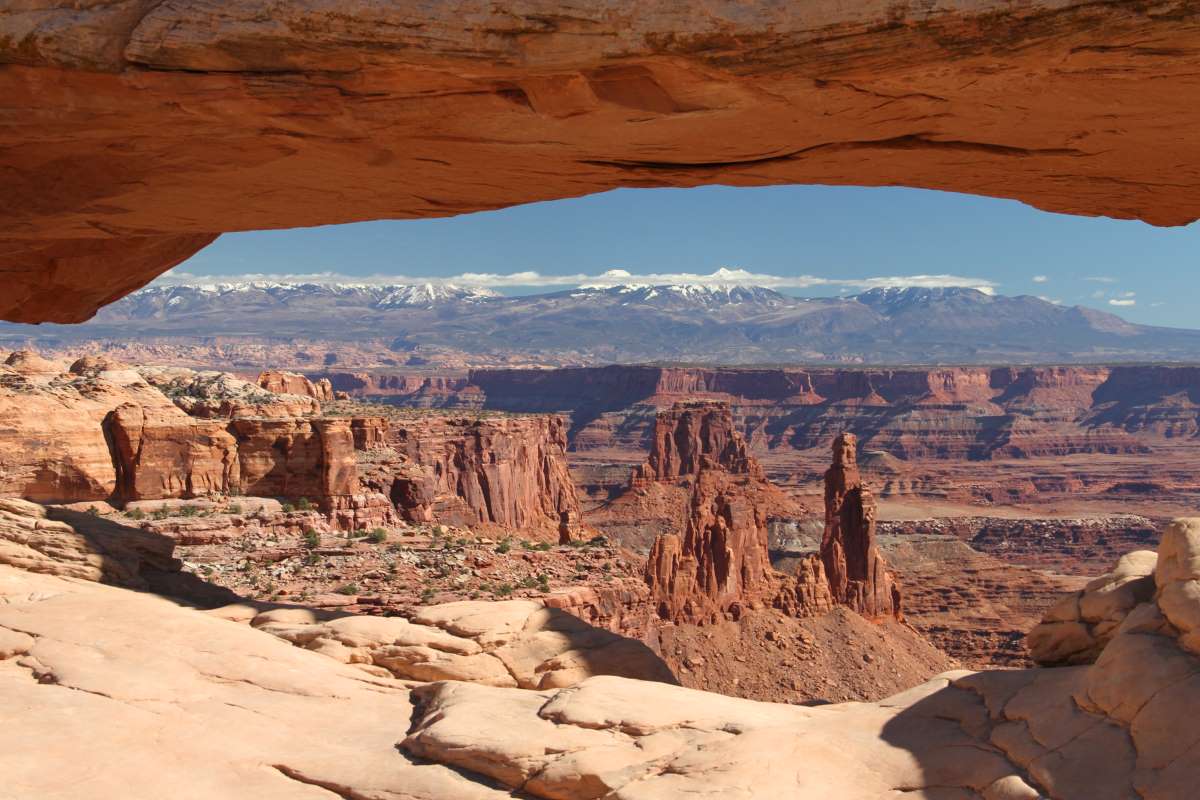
1121 728
78 545
138 131
1078 628
720 566
503 471
293 383
856 572
692 436
105 432
506 643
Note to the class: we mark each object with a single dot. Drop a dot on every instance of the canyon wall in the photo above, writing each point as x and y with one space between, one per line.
504 471
975 413
101 431
294 383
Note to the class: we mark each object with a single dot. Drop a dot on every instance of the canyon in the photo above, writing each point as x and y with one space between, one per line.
224 583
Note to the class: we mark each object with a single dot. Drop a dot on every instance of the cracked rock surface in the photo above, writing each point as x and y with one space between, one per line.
1123 727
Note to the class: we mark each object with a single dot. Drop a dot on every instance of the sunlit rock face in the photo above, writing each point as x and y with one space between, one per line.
134 132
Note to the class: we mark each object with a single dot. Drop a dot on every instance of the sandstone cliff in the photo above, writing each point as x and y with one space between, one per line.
293 383
508 472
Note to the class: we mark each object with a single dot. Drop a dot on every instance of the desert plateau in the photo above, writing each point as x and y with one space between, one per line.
599 401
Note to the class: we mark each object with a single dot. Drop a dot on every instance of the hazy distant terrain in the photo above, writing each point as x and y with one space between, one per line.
634 323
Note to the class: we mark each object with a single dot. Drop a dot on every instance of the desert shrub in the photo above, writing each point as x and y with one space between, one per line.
303 504
377 536
528 582
427 595
504 589
235 508
311 538
311 560
504 546
135 513
288 508
544 582
349 588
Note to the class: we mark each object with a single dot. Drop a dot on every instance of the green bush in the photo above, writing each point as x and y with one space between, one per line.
528 582
349 588
303 504
427 595
135 513
504 589
377 536
288 508
504 546
312 539
189 511
235 508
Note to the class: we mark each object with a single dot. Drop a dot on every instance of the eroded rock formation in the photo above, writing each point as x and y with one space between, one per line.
179 120
1121 727
294 383
504 471
692 436
856 572
720 566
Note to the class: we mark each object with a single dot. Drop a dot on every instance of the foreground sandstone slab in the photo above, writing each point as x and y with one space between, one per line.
1123 727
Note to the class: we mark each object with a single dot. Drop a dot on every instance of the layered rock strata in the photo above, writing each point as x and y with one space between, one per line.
501 471
857 574
720 567
294 383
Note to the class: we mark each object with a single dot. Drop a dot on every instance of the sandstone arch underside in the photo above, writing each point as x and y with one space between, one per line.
133 132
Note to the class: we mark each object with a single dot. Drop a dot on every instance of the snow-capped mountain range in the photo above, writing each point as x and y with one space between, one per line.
711 323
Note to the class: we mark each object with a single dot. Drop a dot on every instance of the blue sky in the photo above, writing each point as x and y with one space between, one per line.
806 240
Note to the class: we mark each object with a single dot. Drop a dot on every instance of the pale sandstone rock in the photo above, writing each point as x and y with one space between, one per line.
1077 628
508 643
87 547
1120 728
226 710
116 680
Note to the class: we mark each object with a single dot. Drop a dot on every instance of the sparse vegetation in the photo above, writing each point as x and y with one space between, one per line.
303 504
377 536
504 589
135 513
347 589
312 539
287 508
234 508
504 546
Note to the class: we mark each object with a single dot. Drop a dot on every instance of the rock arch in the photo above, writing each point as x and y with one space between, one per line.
133 132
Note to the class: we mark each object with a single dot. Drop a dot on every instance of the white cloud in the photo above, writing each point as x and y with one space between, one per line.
1101 279
1128 294
612 277
1040 278
1122 302
1045 299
